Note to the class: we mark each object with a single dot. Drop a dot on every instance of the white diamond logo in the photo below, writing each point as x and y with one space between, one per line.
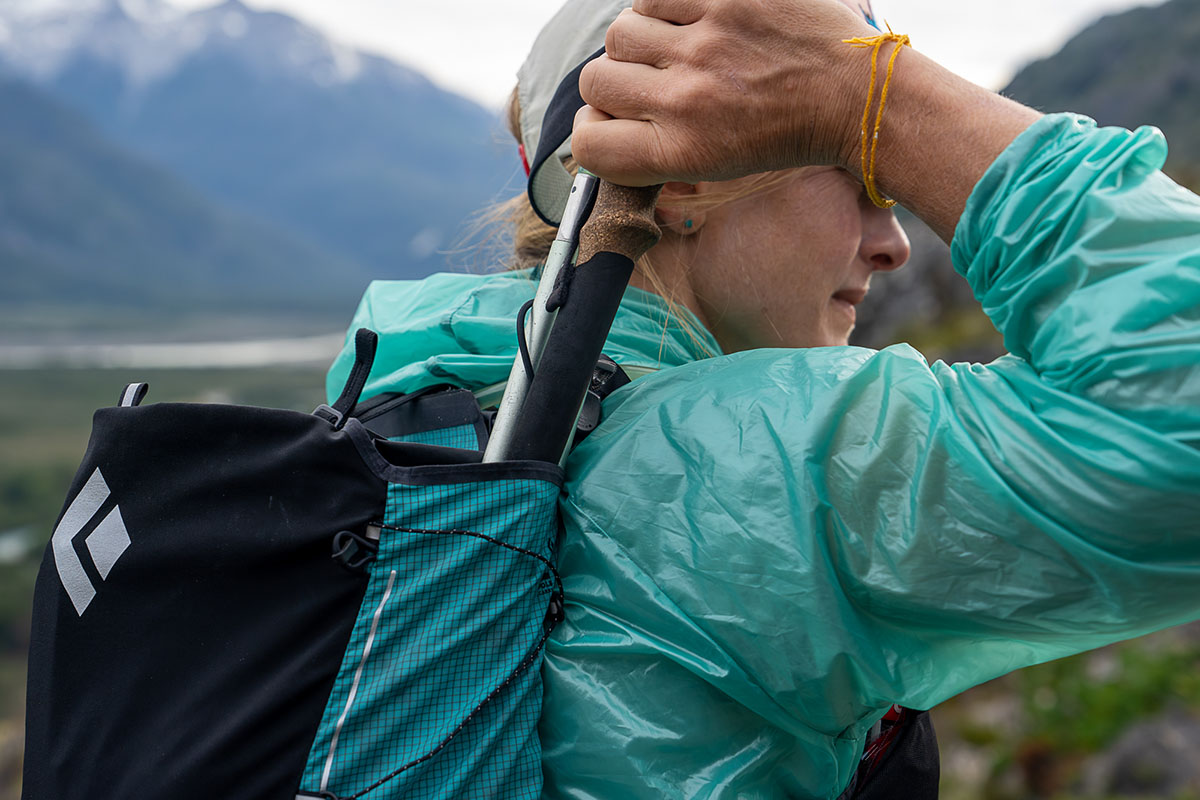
106 543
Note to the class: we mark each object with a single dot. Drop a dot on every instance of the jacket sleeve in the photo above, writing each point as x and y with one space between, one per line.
836 529
1057 507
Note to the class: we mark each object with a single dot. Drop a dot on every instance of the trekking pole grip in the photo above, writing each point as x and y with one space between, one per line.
622 222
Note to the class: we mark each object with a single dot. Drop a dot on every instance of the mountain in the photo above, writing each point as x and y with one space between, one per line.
1135 68
260 112
84 222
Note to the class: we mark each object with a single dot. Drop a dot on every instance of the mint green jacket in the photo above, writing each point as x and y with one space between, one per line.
763 552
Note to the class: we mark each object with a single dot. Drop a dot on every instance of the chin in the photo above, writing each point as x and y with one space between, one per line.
836 339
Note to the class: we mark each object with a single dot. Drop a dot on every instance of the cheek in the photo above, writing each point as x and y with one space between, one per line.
824 214
824 246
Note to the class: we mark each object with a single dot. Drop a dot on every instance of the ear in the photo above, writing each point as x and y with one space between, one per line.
677 211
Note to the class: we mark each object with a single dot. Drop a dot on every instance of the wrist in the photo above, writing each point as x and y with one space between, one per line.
845 98
884 50
939 134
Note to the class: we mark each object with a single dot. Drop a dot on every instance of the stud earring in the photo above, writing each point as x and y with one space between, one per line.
687 223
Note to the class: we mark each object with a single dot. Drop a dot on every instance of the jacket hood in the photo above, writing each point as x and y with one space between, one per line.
461 329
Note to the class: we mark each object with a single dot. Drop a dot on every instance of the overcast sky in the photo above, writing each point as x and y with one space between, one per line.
474 47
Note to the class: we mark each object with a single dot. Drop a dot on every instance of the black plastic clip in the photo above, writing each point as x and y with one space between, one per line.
354 551
606 379
555 613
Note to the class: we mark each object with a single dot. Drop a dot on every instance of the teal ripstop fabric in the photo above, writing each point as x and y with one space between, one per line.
762 552
464 437
448 635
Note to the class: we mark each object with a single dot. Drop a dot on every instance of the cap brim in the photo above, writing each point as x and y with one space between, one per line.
549 181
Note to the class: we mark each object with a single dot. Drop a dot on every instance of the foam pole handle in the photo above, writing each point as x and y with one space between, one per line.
620 230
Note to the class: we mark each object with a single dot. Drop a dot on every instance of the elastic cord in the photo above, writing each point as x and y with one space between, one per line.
522 344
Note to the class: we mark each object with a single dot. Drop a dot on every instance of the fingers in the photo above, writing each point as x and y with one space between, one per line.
681 12
612 148
621 89
645 40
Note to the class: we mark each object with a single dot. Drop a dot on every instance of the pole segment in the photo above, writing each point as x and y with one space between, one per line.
620 230
541 321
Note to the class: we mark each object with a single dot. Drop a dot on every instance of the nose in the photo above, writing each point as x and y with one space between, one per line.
884 243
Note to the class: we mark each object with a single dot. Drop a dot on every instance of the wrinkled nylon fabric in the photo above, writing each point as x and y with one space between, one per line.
762 552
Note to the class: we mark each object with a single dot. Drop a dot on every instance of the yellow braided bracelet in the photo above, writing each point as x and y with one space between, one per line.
868 163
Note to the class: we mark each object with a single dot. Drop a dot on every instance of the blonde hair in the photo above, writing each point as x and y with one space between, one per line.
531 238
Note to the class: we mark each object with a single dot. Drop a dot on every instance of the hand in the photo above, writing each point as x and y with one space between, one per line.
715 89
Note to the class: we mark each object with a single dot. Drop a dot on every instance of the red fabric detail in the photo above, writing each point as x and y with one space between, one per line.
524 158
874 754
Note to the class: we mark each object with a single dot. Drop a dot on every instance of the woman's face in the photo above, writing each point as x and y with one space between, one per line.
786 267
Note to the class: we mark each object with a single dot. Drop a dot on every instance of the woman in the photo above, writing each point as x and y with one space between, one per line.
764 551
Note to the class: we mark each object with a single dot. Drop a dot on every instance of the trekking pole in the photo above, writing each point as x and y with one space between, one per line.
584 301
541 320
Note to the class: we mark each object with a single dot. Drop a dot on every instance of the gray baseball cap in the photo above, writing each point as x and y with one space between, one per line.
574 34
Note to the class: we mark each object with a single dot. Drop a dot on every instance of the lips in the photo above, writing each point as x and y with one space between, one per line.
846 300
851 296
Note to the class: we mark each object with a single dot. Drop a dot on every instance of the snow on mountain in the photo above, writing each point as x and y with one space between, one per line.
266 116
148 41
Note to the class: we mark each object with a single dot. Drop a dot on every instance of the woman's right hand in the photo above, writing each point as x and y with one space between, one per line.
715 89
697 90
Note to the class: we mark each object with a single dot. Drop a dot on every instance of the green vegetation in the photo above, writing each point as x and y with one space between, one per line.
1080 708
1036 733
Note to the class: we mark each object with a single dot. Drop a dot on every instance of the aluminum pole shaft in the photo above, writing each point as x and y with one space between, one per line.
541 321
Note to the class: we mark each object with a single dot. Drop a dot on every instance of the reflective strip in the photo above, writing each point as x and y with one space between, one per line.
133 394
108 542
337 731
70 569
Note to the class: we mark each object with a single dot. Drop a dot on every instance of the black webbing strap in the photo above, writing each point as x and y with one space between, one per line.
556 128
365 343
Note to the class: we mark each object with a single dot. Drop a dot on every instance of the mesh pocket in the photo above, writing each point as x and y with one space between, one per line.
439 692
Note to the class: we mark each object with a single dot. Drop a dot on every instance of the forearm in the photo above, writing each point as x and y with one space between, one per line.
938 136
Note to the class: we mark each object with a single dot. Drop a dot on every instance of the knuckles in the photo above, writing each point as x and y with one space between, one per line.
617 39
588 79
